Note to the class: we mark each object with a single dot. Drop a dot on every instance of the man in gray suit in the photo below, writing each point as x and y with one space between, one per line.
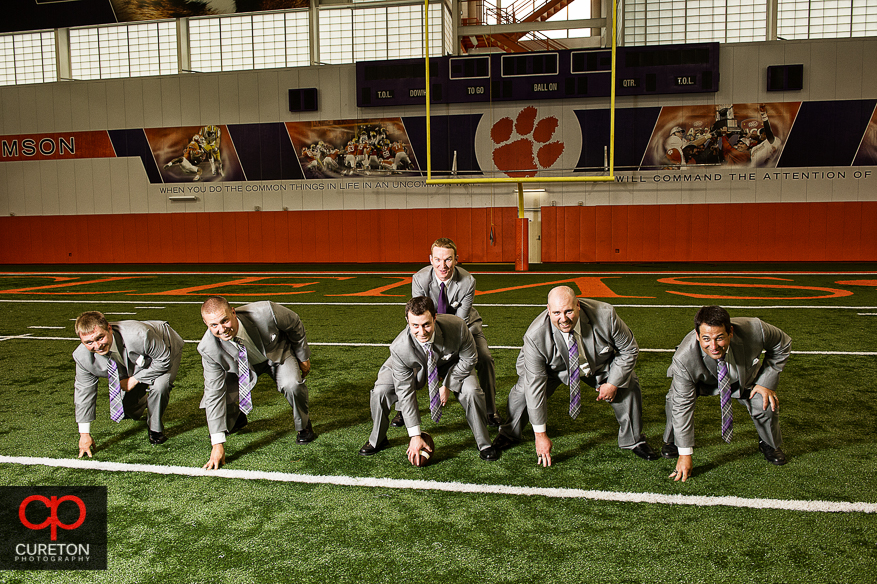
145 359
238 346
452 290
444 342
720 346
576 340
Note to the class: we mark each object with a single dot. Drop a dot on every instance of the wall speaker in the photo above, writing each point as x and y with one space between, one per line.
785 77
303 100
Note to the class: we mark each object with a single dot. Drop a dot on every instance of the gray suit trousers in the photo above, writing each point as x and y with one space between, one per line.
486 370
767 422
627 406
383 396
287 376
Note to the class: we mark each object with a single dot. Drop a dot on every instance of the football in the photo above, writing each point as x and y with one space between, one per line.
425 456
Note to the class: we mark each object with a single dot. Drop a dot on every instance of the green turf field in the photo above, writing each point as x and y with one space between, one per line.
174 528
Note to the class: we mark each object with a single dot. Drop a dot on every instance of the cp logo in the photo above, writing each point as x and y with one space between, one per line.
53 521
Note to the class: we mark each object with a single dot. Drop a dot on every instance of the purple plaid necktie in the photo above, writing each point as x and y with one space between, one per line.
435 406
443 304
725 399
116 410
575 394
245 380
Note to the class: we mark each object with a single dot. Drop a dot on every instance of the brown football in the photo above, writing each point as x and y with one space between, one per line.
425 456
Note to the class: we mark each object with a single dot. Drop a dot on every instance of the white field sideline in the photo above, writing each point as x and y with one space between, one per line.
345 481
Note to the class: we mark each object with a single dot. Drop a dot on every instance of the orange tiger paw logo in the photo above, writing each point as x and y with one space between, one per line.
523 144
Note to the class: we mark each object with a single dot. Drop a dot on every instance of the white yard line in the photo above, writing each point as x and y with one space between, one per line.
618 497
28 337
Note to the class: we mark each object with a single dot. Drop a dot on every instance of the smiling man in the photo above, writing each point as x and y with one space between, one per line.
140 361
238 346
452 290
434 351
721 356
576 341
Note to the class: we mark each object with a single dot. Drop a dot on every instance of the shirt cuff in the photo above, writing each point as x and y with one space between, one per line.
84 427
540 427
683 451
413 431
218 438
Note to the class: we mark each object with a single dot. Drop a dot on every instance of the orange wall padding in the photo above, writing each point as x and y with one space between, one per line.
736 232
368 236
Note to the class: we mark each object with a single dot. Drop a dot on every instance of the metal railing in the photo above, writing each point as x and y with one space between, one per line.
515 13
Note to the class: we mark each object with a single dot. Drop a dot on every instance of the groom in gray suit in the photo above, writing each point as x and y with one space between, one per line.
448 340
452 290
737 343
268 338
147 357
605 353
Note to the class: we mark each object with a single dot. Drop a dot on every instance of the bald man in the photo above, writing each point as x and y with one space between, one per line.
576 342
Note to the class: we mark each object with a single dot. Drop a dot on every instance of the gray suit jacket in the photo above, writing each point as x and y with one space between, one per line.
608 344
694 372
405 369
423 283
148 348
275 329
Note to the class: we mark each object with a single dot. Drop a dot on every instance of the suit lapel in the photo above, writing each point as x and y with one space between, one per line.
587 333
455 279
123 352
253 332
438 341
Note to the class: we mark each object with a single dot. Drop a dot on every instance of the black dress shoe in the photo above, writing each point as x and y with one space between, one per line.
643 450
772 455
490 453
669 450
306 436
368 449
501 442
494 420
398 421
157 437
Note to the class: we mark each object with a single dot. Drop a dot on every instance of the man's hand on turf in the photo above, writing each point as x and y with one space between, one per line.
86 443
543 449
217 457
683 468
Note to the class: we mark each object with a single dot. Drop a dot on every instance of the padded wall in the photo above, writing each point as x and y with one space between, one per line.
353 236
737 232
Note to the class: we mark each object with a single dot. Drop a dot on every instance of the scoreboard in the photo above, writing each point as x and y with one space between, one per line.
689 68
